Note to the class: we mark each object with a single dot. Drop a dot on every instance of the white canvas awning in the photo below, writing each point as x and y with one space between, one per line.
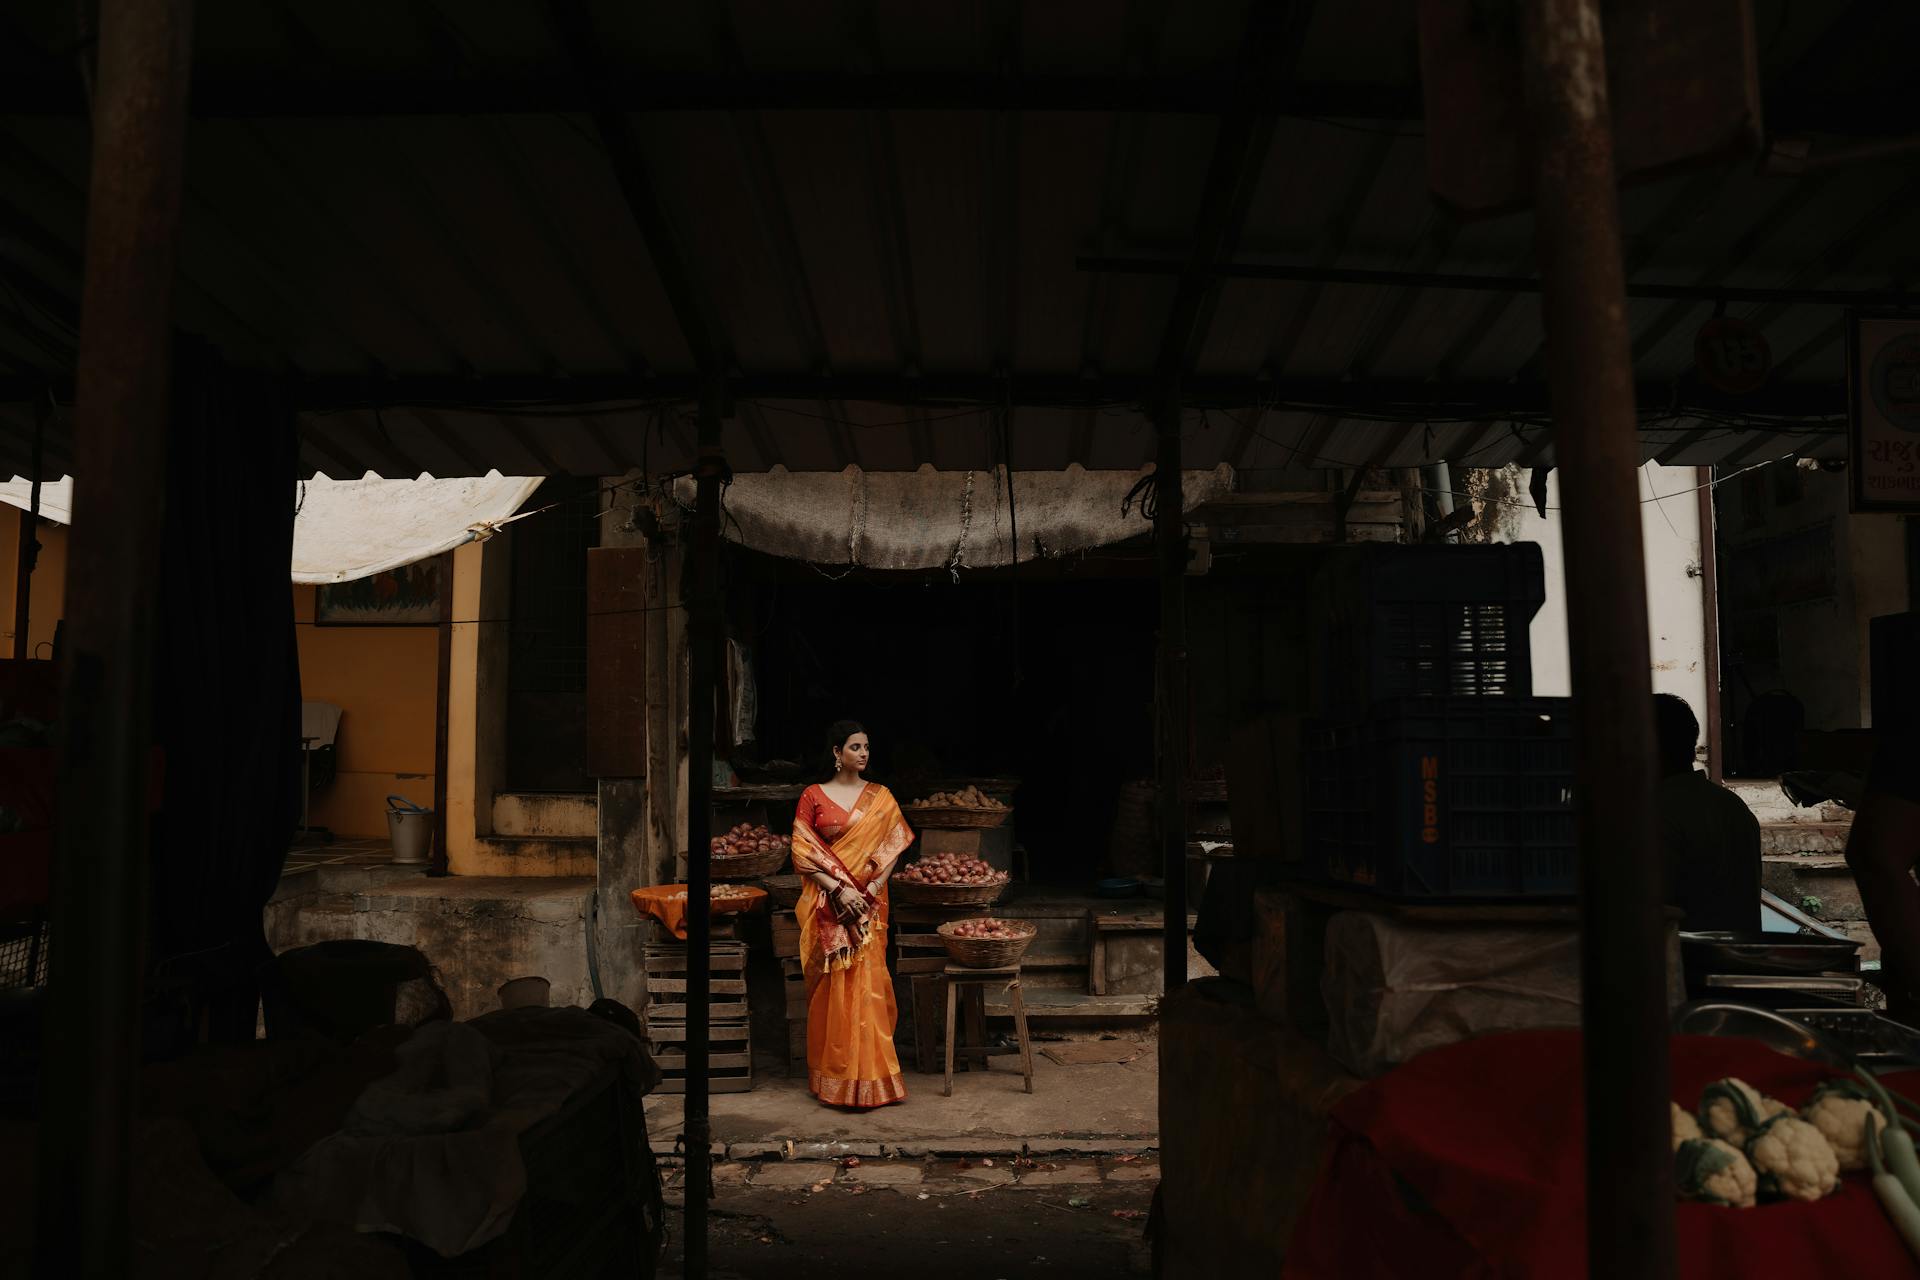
56 497
348 529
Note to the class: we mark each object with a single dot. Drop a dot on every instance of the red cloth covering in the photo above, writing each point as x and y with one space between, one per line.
1469 1161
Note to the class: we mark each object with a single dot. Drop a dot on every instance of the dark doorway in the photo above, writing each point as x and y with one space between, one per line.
547 640
1052 684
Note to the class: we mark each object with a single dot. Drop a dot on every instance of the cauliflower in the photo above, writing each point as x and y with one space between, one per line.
1732 1109
1711 1170
1841 1110
1793 1159
1685 1127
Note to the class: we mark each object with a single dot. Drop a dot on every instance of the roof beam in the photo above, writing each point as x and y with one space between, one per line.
1495 284
572 29
1240 149
597 394
227 95
218 96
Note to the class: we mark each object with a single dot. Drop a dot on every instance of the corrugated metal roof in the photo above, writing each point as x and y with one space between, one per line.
884 239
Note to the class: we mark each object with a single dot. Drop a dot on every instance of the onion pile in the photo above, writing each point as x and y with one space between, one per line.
745 839
952 868
965 798
721 893
997 930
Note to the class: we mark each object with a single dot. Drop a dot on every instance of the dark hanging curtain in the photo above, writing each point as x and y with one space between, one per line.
227 687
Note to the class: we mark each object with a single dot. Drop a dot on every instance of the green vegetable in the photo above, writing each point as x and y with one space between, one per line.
1732 1109
1711 1170
1794 1159
1895 1140
1841 1110
1901 1209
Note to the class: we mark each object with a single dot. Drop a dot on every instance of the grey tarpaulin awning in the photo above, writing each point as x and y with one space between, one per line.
931 519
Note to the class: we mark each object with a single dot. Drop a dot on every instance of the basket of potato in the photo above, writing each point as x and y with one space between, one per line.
968 809
986 943
949 880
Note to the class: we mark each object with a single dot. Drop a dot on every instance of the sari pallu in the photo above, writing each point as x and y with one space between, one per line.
850 1006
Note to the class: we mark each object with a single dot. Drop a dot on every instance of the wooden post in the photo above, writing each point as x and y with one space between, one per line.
437 864
703 661
29 543
1590 379
1170 538
104 735
617 753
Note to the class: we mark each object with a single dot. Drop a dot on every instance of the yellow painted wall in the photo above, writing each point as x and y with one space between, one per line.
384 679
49 582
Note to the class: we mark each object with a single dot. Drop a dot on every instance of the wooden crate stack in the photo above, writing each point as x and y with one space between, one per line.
729 1030
786 948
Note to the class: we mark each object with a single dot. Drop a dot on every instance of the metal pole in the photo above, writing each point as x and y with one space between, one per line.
104 736
1710 628
703 639
1590 379
29 543
1170 538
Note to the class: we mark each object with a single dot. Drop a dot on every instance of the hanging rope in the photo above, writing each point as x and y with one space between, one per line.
857 523
966 525
1006 460
1145 492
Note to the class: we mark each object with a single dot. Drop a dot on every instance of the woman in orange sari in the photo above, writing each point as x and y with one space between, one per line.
847 836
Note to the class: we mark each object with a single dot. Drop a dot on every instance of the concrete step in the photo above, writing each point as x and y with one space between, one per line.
1789 838
530 856
1819 884
546 814
1049 1003
1770 804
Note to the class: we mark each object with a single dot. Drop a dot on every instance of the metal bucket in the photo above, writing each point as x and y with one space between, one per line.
410 828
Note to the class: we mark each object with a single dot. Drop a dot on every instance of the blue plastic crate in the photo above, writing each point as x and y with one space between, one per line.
1425 622
1446 798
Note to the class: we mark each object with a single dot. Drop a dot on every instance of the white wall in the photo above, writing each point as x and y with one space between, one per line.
1670 526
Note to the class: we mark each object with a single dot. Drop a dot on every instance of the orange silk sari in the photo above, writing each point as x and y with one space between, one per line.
850 1005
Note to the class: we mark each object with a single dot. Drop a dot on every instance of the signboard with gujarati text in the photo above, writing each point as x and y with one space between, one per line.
1883 404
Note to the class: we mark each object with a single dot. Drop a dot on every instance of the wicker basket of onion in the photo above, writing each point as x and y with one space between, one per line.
748 852
966 809
949 880
986 943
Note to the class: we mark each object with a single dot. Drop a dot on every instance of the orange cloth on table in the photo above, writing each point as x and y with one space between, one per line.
850 1006
667 903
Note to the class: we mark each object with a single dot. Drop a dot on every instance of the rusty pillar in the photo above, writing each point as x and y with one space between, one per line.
1170 537
703 660
1590 382
99 923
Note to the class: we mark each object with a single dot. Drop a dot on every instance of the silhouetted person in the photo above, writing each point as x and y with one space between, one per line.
1710 839
1882 852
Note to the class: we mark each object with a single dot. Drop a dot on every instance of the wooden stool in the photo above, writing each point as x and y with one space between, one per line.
955 976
